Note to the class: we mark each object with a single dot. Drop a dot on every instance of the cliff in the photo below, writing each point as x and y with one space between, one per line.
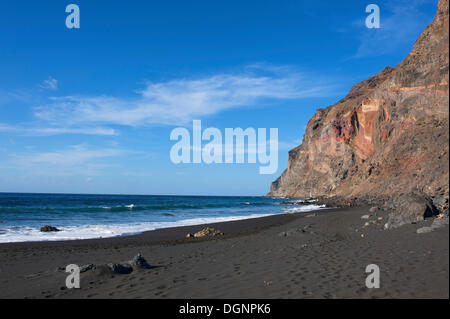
389 136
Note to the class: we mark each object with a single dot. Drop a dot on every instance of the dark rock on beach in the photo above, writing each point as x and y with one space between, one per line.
409 208
47 229
88 267
139 262
437 223
123 269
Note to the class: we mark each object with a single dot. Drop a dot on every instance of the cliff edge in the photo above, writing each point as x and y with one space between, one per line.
388 137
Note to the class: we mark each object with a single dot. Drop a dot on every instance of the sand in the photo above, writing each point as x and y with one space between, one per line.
323 255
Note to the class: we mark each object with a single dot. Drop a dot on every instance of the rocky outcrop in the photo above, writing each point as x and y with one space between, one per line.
437 224
410 208
388 137
48 229
205 232
123 268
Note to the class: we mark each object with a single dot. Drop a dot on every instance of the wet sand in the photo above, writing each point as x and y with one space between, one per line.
283 256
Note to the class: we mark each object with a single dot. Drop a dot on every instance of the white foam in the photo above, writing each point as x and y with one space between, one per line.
303 208
26 234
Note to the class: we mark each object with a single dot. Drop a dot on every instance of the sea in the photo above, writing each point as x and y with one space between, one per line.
100 216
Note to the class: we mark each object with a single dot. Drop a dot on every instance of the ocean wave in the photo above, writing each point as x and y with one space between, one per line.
127 207
303 208
27 234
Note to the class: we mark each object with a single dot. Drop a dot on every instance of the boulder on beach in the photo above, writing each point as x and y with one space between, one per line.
87 267
437 223
208 232
410 208
122 269
47 229
139 262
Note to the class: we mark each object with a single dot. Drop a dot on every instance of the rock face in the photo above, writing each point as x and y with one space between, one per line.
389 136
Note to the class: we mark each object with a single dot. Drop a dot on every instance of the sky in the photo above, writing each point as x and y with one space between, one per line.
91 110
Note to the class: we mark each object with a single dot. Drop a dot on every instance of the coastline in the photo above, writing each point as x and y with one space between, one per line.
168 234
278 256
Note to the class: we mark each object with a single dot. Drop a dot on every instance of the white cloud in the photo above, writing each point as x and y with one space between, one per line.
180 101
84 131
47 131
69 158
7 128
50 84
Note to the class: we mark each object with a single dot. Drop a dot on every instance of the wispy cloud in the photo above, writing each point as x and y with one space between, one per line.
401 23
74 160
49 84
47 131
177 102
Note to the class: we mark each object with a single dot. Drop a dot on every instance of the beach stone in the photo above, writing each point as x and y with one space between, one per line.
87 268
365 216
290 232
439 223
373 209
122 269
140 262
208 232
424 230
409 208
189 236
47 229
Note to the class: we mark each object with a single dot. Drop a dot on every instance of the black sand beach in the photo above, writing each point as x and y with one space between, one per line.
311 255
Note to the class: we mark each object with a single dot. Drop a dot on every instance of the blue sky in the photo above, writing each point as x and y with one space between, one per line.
90 110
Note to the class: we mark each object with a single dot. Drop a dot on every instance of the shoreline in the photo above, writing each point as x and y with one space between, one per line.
229 227
115 217
319 255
